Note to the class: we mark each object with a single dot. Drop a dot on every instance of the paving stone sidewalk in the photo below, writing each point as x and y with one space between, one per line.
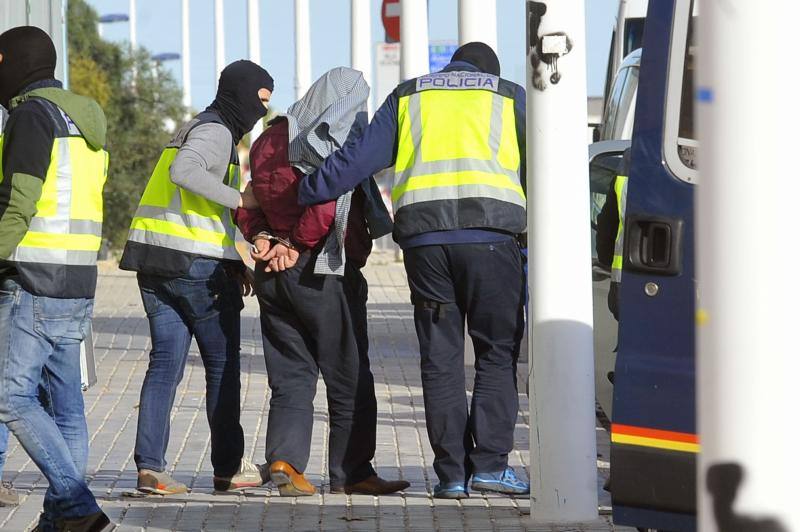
121 340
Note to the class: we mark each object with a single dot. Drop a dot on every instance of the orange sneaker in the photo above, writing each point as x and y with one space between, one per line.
290 482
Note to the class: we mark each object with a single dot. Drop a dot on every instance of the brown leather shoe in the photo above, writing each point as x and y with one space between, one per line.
290 482
373 485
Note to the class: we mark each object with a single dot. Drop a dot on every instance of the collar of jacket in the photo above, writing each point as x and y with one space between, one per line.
41 84
460 66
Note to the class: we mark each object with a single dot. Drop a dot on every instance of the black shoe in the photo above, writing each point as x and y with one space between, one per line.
96 522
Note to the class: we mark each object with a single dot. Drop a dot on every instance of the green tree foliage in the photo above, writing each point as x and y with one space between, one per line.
143 106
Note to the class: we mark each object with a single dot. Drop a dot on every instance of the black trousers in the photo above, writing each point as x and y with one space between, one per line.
312 324
483 283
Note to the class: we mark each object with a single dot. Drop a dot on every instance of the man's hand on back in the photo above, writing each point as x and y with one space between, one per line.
281 258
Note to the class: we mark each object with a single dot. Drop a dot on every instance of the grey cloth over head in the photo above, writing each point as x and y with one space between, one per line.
333 110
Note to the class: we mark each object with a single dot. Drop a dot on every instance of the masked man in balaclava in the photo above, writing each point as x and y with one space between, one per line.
51 214
182 243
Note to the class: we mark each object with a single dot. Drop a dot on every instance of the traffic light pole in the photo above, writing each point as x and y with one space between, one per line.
254 51
186 71
302 48
219 38
562 415
414 59
477 21
747 354
361 41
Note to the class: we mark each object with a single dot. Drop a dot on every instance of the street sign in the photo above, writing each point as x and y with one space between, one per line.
440 53
390 14
387 74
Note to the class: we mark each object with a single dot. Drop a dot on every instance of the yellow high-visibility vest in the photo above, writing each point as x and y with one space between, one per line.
621 191
458 157
176 219
67 227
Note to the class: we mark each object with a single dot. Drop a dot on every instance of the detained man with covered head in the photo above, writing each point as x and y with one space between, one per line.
456 139
53 147
311 292
192 279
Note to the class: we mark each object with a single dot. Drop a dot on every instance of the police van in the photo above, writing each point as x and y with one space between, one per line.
654 443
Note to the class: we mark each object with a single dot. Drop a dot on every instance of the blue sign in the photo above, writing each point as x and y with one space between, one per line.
439 55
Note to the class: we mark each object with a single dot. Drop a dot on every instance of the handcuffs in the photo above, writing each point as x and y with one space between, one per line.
273 238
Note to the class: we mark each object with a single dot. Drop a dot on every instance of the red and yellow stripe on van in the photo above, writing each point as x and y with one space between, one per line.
655 438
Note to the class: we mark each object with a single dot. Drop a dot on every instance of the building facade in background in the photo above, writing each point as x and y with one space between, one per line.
51 16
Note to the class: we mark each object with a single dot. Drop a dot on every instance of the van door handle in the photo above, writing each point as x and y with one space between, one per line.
653 244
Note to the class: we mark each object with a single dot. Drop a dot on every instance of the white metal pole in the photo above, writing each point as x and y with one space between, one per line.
477 21
219 36
302 48
747 356
64 44
254 50
132 23
186 70
361 40
414 55
132 37
563 446
100 29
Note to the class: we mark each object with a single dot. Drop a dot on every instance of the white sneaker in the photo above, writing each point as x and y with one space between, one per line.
249 475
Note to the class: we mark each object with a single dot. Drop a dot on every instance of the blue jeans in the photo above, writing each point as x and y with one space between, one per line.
205 303
40 392
3 447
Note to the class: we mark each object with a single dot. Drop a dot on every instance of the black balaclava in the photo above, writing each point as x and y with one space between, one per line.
28 56
480 55
237 101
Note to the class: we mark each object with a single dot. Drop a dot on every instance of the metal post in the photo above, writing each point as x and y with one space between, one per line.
132 39
414 55
747 363
361 40
219 36
186 71
132 24
254 51
64 43
302 48
563 446
477 21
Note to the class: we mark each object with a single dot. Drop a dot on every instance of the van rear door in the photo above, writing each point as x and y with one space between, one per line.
654 442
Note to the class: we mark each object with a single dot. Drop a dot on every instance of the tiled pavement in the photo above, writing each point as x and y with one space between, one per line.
121 347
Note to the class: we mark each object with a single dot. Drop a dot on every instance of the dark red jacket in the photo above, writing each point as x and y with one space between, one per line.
275 184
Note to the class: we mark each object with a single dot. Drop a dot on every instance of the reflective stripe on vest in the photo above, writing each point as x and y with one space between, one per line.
456 139
67 226
621 191
171 217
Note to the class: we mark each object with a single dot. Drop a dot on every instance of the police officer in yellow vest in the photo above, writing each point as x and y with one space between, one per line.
191 278
54 167
611 232
456 139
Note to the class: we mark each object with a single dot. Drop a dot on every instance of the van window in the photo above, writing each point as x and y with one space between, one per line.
613 106
686 129
626 105
610 66
680 136
634 31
